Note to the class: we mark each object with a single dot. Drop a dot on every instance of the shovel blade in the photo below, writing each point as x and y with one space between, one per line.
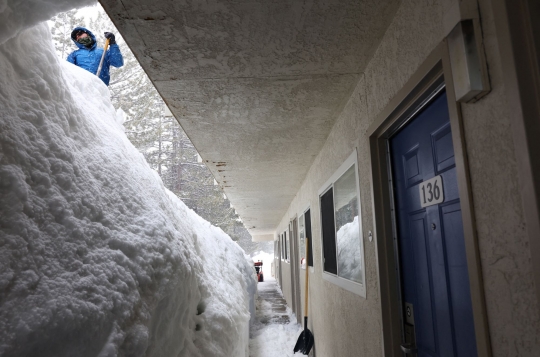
304 343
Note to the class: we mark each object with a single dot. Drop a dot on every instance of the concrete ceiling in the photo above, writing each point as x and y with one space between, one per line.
256 84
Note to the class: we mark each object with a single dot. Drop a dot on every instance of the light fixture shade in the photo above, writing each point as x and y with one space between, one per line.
468 70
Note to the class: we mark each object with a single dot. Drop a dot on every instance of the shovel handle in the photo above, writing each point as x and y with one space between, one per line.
102 57
307 278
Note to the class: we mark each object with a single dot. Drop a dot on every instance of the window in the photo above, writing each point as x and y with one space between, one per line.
286 245
304 230
310 237
328 232
282 244
342 243
301 237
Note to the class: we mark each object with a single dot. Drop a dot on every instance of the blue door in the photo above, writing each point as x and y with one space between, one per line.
434 277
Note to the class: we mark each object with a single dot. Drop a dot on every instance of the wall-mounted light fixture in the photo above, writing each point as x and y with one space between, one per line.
469 70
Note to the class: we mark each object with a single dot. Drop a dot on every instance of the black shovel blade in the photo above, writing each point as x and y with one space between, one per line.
305 342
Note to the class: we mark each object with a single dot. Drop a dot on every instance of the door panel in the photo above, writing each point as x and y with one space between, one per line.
420 281
279 261
295 270
457 274
431 247
292 262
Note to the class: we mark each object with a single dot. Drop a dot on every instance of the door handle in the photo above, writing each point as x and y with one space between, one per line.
409 348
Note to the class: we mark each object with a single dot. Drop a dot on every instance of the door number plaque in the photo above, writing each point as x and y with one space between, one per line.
431 191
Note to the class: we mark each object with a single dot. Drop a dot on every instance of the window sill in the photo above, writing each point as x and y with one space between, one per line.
353 287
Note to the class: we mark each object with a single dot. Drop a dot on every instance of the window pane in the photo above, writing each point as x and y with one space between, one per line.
328 232
301 235
282 247
308 235
348 236
286 245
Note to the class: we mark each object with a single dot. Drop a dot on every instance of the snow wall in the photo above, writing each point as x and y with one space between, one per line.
97 258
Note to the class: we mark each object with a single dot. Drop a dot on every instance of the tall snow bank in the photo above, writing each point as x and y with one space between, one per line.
18 15
96 257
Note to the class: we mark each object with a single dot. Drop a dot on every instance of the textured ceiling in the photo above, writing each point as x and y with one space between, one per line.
256 84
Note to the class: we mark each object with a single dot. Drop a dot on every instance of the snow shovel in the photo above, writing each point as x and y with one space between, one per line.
305 340
102 57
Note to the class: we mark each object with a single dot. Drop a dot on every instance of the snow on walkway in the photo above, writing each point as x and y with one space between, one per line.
275 331
97 258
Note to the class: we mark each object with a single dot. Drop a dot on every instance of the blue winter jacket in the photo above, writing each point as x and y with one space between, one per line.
88 58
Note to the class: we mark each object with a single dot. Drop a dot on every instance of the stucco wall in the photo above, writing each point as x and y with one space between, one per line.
346 324
286 282
514 319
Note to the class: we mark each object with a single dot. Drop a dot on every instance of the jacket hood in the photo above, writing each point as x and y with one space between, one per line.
77 29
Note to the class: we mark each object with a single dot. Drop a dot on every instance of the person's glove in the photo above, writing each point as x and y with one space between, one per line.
110 37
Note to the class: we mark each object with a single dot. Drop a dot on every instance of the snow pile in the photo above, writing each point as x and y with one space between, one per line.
271 338
349 257
18 15
96 257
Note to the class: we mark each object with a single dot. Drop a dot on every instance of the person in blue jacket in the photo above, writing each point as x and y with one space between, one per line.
89 55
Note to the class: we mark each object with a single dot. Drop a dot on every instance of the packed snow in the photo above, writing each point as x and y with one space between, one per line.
271 338
96 257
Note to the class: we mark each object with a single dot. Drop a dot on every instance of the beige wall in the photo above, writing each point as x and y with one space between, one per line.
286 282
511 302
345 324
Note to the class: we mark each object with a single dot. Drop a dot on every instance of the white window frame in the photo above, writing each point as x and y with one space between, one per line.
349 285
301 214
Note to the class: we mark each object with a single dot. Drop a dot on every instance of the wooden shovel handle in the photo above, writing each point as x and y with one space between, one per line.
102 57
307 278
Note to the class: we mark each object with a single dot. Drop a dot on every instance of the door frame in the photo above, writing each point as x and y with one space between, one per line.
278 264
434 71
295 268
518 39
